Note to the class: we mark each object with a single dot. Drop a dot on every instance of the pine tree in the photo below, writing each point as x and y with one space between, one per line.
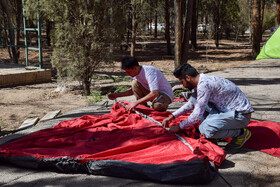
82 36
11 17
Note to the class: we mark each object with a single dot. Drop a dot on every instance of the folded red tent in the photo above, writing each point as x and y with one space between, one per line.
118 144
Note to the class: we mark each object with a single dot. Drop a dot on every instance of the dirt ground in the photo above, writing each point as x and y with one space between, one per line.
28 101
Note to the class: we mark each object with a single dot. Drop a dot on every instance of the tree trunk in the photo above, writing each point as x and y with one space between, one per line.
150 17
111 25
167 27
86 84
194 24
178 33
134 28
129 24
18 25
256 22
7 10
49 26
261 17
6 42
278 12
216 21
251 20
186 36
156 18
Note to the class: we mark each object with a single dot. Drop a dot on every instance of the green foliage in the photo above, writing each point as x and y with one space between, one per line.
269 19
2 20
114 78
121 79
82 33
2 124
204 11
97 96
98 77
234 14
229 12
244 15
120 88
177 92
94 98
146 10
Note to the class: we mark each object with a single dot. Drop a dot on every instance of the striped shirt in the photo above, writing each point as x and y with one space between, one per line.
221 92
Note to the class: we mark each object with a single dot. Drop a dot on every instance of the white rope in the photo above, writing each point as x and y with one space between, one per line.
179 137
158 123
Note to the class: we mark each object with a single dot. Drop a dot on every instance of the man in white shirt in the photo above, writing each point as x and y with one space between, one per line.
230 112
148 84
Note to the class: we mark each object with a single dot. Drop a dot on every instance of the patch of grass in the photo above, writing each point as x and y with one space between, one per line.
94 98
114 78
2 124
218 67
120 88
178 92
101 77
121 79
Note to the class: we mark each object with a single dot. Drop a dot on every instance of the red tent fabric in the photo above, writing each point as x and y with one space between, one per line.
116 136
119 144
265 135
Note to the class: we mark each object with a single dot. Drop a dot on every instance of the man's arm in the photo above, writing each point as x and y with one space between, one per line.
113 96
167 120
182 110
151 96
199 108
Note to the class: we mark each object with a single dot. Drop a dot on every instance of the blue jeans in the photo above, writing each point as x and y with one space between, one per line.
223 125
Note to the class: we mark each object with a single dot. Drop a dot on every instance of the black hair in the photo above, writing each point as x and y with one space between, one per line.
129 62
183 70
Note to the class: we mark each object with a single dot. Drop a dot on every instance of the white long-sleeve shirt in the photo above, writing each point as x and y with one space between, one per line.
221 92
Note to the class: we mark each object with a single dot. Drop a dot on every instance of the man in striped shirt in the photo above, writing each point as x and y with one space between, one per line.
230 110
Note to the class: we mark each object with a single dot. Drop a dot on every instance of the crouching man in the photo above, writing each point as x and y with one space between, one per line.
229 113
148 84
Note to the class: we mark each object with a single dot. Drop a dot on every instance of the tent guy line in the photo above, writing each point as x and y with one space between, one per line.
158 123
213 167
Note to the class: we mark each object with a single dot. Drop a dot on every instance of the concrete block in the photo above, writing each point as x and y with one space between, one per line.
51 115
8 80
2 80
48 74
20 76
28 123
40 76
30 77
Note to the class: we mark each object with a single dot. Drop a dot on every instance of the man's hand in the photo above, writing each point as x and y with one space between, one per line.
175 129
112 96
166 121
131 106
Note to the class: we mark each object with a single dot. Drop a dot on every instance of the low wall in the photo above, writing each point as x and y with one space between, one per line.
14 77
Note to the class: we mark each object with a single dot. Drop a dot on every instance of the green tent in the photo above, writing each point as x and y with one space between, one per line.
271 48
